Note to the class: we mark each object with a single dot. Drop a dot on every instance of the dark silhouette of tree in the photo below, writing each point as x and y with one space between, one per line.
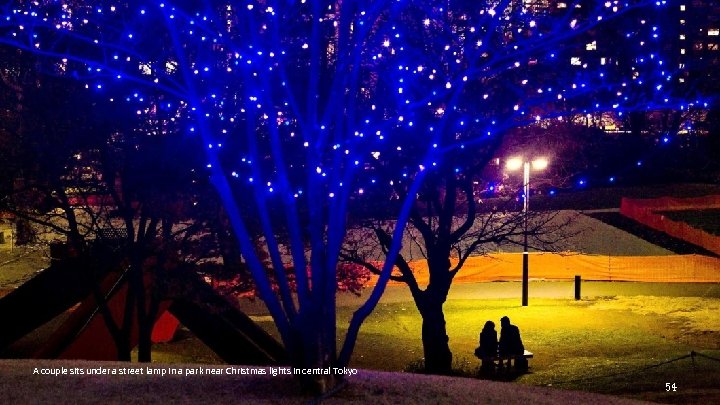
81 173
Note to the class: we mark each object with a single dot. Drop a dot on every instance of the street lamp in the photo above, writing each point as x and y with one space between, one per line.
515 164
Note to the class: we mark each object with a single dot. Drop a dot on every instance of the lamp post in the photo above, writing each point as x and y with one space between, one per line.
515 164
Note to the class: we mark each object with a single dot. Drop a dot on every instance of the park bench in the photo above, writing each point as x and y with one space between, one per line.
499 360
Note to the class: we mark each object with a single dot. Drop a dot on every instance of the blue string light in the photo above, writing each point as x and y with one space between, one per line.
485 68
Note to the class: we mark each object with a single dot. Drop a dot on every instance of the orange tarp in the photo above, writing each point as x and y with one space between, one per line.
554 266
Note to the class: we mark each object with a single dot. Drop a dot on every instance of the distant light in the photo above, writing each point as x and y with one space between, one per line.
540 164
514 163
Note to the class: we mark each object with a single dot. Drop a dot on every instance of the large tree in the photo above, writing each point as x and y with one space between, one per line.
295 101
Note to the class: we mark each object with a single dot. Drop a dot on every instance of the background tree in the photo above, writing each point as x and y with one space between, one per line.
572 150
102 180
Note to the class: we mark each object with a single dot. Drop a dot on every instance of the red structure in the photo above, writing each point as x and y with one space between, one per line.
65 289
648 212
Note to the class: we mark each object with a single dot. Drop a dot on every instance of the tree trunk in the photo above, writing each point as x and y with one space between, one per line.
312 358
436 348
144 341
147 321
123 350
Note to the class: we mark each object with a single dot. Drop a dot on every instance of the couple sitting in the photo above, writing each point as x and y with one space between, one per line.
510 346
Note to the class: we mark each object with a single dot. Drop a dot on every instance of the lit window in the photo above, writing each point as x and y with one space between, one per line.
682 7
682 36
575 61
171 67
592 46
713 32
145 68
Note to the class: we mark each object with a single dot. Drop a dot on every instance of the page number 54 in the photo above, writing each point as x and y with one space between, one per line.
670 387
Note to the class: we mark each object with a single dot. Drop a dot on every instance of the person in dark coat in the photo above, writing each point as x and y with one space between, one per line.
511 343
488 349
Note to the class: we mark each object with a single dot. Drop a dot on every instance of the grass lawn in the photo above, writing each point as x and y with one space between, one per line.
626 339
599 345
629 345
19 264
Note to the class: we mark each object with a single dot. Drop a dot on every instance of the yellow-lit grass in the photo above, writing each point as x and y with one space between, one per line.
607 344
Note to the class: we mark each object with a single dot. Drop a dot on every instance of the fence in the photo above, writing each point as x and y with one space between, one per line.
555 266
646 211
